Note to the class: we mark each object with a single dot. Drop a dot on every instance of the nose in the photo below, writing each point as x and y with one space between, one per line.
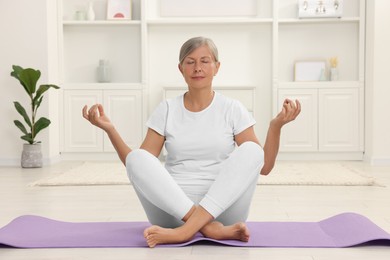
198 67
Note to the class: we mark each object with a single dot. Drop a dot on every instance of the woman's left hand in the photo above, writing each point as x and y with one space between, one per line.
289 112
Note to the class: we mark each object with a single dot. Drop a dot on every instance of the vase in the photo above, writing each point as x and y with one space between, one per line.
104 71
91 12
334 74
80 15
322 75
31 156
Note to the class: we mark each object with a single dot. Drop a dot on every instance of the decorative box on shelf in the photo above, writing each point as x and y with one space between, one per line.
309 70
207 8
320 9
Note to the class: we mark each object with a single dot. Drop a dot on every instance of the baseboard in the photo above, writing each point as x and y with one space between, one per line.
379 161
52 160
9 162
15 162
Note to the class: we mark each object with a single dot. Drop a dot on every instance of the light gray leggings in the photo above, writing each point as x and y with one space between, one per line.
228 199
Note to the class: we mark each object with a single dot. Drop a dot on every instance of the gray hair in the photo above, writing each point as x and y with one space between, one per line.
194 43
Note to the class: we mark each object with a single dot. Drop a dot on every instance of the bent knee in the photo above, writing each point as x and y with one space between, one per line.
253 148
136 161
135 156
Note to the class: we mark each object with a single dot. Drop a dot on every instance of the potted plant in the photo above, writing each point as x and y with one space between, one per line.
28 78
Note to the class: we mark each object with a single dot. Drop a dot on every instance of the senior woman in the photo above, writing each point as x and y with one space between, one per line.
213 155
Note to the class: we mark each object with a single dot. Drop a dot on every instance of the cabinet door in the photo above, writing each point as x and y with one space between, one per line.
300 135
79 134
339 119
124 108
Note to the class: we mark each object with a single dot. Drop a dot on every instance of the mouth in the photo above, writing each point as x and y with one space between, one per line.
197 78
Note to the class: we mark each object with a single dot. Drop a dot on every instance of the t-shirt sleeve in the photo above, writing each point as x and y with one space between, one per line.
157 121
241 118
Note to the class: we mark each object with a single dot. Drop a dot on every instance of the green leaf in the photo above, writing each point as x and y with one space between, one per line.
29 77
28 138
16 73
22 112
20 126
42 89
42 123
37 103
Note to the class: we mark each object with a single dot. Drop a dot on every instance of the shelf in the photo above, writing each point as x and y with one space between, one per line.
320 84
101 22
320 20
181 21
175 21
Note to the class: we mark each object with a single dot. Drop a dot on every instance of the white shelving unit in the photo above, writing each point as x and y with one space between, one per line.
257 54
331 125
83 43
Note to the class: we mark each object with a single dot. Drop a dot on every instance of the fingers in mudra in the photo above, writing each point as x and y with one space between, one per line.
290 110
91 114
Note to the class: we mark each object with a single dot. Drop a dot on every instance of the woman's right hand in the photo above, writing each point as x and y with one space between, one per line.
96 116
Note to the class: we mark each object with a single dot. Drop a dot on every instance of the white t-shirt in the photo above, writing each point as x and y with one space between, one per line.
198 142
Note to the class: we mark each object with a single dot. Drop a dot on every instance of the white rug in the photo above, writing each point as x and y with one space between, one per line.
284 173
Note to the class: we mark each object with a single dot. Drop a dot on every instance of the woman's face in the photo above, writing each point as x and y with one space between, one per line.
199 68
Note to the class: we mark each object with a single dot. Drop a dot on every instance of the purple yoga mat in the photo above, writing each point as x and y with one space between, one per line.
344 230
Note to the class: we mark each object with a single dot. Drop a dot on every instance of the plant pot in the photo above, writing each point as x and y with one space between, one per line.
31 156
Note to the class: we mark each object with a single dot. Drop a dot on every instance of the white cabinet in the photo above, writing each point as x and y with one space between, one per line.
257 50
124 110
331 124
82 44
329 121
302 134
79 134
338 120
121 106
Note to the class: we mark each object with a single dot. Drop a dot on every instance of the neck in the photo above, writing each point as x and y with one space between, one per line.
197 100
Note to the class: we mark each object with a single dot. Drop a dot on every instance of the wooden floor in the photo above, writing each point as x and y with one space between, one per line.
119 203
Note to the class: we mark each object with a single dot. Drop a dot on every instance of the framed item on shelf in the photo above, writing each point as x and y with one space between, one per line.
118 9
319 9
309 70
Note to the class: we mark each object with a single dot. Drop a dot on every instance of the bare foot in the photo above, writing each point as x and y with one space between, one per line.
217 230
156 235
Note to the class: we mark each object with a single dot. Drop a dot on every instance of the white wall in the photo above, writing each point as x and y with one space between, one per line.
378 83
24 42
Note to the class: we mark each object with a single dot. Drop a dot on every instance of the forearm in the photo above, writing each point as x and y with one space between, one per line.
289 112
120 146
271 148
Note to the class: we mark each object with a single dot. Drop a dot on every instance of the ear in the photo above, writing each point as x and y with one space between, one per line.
180 68
217 64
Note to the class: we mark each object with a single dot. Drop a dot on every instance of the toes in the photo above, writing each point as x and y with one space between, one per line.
243 232
149 230
150 236
151 242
